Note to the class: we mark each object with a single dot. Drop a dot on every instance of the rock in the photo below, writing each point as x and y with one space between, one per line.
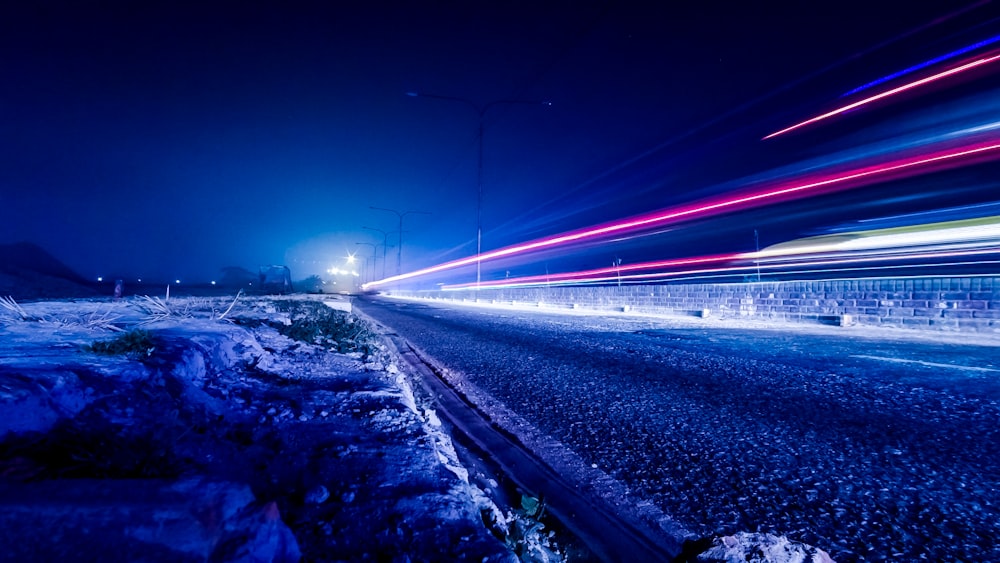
317 495
745 547
139 520
35 400
258 535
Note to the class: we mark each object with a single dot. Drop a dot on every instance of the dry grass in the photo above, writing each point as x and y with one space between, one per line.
157 309
102 321
228 309
11 306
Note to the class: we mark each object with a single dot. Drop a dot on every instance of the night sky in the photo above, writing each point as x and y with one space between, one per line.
169 140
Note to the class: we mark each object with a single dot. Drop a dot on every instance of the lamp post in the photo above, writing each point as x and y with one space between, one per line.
481 111
374 257
385 245
400 214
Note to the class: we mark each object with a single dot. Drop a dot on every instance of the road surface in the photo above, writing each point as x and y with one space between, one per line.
873 445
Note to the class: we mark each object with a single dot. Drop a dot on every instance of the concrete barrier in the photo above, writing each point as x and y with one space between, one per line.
962 304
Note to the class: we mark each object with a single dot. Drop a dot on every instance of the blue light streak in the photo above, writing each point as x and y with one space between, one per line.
924 64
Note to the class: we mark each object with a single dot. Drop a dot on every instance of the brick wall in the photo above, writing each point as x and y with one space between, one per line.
957 304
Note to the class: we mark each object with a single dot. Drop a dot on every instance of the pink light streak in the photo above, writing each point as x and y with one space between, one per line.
594 276
886 94
570 276
846 180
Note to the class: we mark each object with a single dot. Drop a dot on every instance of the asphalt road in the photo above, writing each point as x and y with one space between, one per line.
874 445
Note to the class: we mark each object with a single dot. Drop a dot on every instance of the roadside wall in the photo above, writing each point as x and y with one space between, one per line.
969 304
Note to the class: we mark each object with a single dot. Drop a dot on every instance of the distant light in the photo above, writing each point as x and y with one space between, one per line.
139 280
213 282
177 281
100 279
350 258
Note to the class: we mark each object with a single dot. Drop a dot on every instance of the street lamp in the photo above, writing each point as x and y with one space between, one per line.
481 111
401 214
385 245
374 257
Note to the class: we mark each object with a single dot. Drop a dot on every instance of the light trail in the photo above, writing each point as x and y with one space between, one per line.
983 230
924 64
899 89
856 178
884 268
888 253
744 269
548 278
967 237
888 257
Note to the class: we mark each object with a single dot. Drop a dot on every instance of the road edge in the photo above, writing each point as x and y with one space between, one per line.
592 520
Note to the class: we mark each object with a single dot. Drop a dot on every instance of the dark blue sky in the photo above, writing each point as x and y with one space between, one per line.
171 139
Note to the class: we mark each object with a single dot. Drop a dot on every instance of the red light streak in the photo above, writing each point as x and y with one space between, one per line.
857 269
842 181
572 276
592 276
886 94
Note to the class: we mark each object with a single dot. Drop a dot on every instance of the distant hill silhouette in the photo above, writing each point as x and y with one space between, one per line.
27 271
31 257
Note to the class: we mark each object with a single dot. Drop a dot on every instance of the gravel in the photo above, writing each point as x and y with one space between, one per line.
873 448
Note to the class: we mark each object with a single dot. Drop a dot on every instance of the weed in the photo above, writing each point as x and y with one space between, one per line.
315 323
134 344
526 537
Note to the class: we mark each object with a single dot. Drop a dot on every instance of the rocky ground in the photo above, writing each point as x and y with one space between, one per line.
152 429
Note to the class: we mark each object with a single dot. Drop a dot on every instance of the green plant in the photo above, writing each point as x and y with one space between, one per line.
315 323
525 536
136 344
